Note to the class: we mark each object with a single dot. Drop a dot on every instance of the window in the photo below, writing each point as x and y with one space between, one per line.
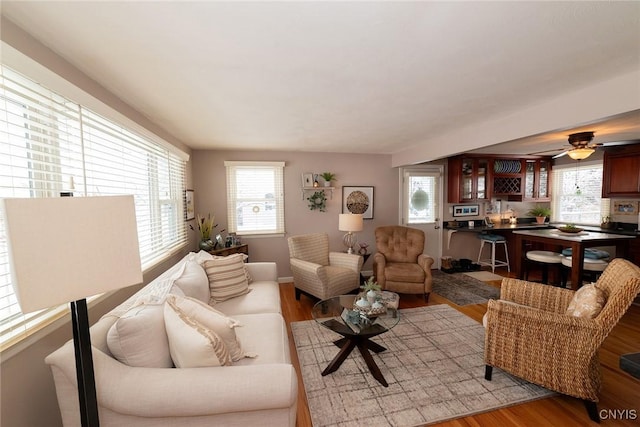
577 194
255 197
50 144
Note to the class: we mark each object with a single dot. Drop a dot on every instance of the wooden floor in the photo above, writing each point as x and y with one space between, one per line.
620 391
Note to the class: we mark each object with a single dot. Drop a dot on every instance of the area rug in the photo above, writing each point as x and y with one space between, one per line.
485 276
461 289
433 364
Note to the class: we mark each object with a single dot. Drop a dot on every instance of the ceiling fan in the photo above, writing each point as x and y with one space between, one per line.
581 146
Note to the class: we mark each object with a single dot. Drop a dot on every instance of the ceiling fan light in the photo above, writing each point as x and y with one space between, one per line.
580 153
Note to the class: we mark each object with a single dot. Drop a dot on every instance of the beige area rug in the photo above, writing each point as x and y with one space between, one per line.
485 276
433 364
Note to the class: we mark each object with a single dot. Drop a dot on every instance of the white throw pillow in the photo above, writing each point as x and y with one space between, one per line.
212 319
194 282
588 302
191 344
138 338
227 277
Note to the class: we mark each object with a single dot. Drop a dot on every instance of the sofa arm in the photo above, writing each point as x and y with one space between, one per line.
350 261
379 263
174 392
263 271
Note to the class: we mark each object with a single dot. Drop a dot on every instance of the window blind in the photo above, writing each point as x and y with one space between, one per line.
50 145
255 197
577 194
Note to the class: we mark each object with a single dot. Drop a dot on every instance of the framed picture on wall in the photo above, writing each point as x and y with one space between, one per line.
307 179
466 210
358 200
189 207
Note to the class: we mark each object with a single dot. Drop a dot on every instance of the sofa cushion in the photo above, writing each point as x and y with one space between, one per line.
227 277
138 338
194 282
266 335
263 298
212 319
192 345
588 302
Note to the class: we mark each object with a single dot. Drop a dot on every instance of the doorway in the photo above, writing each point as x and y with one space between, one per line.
421 205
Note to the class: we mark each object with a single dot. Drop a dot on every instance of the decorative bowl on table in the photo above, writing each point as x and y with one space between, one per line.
570 229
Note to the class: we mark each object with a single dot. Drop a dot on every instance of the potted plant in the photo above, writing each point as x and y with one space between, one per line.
328 177
541 213
370 289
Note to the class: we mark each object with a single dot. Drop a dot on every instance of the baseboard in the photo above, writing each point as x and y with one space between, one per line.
285 279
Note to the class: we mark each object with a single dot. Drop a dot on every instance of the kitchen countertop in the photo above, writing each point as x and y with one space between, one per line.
463 227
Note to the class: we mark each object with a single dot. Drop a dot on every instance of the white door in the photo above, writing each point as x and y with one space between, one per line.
421 205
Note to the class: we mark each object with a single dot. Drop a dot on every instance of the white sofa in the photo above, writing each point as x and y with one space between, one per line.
253 391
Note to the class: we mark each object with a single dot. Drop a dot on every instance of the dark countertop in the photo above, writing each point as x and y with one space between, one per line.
626 230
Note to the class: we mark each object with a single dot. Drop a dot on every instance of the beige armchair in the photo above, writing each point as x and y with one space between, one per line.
318 272
529 335
400 264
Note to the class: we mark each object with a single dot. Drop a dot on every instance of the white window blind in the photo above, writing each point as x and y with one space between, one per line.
577 194
255 197
50 145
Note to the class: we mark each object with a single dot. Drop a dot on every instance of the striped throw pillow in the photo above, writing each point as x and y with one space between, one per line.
227 278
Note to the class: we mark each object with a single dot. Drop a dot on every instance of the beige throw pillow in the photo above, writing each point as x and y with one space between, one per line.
227 277
138 338
212 319
588 302
194 282
192 345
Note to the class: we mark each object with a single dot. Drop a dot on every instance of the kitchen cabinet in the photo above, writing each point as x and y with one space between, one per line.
537 180
621 171
468 179
507 178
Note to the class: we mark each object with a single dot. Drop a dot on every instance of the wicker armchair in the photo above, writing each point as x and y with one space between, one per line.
400 264
533 339
318 272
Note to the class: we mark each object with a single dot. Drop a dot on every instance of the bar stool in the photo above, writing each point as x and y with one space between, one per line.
592 268
545 259
492 262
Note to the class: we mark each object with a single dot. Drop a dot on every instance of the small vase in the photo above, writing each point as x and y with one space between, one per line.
206 245
371 296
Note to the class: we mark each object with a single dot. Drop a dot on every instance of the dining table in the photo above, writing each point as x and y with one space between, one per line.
576 241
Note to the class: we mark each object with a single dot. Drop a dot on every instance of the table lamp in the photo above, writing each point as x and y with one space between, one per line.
65 249
350 223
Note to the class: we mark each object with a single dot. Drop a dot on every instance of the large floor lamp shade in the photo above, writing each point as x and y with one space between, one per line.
65 249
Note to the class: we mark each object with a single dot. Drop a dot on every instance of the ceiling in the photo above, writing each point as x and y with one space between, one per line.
374 77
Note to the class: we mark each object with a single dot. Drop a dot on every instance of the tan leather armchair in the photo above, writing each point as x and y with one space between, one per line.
529 335
400 264
318 272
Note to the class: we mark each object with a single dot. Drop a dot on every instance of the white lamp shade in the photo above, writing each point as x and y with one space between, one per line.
67 248
580 153
350 222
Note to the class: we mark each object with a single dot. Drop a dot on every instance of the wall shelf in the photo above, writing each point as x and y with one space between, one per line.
306 190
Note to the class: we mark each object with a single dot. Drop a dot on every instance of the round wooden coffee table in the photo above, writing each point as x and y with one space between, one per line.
335 314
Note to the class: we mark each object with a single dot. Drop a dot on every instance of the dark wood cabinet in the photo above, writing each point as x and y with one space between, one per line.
239 249
621 171
478 178
468 179
537 180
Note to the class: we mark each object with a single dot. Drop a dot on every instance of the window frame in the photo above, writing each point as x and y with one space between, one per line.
557 179
232 169
61 156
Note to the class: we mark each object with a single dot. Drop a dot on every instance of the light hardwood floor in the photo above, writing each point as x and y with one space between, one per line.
620 391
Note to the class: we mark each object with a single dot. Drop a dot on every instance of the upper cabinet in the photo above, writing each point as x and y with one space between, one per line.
537 174
478 178
468 179
621 171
